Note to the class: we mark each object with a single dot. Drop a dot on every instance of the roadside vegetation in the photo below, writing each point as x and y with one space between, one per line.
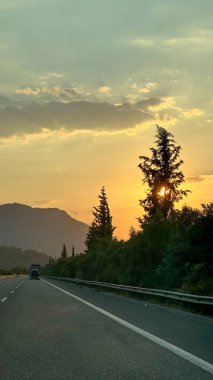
5 273
16 260
172 249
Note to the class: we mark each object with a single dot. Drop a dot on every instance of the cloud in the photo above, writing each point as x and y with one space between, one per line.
41 202
146 42
54 90
104 89
167 102
76 115
71 91
196 178
55 75
195 37
195 112
184 40
148 87
200 178
152 103
45 203
144 89
69 114
43 135
51 75
28 91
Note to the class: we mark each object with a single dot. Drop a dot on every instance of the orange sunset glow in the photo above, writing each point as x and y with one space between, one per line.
79 103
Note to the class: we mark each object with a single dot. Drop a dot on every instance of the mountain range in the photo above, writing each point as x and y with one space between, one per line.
41 229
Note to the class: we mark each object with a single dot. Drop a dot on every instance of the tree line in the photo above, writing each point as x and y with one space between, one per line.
172 249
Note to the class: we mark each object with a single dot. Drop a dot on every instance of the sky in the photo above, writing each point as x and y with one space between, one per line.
83 84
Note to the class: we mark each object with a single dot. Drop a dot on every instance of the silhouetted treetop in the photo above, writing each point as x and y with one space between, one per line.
101 226
163 176
64 252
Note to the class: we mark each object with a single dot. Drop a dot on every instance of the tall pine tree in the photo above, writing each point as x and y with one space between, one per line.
101 226
163 176
64 252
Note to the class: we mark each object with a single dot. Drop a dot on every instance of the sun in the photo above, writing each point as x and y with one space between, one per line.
163 191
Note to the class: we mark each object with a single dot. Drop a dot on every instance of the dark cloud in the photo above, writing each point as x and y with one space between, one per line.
70 91
31 118
146 103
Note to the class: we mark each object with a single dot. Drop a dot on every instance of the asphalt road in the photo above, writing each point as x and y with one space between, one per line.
47 334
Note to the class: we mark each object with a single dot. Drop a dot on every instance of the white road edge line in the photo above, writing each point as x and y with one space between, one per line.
3 299
12 291
176 350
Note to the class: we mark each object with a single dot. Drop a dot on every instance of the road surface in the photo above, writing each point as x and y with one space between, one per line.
57 330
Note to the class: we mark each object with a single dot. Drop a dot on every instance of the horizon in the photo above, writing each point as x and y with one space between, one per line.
83 86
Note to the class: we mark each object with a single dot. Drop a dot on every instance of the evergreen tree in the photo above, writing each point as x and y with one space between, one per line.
92 236
50 260
64 252
101 226
132 232
73 251
163 176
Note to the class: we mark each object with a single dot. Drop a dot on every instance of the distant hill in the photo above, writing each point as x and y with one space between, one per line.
40 229
12 257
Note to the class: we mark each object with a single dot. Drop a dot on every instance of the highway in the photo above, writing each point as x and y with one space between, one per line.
57 330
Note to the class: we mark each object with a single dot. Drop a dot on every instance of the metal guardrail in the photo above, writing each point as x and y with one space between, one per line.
198 299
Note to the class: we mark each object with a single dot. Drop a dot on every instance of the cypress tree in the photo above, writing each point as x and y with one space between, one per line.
64 252
101 226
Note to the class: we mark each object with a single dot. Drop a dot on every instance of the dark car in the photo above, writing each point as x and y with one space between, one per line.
34 274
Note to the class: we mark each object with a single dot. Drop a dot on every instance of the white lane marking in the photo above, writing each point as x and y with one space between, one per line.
176 350
3 299
12 291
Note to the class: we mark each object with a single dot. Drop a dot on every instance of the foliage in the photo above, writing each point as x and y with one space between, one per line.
163 176
173 254
64 252
101 226
6 272
188 263
173 251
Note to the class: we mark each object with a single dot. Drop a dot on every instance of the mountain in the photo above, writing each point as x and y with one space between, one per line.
40 229
12 257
